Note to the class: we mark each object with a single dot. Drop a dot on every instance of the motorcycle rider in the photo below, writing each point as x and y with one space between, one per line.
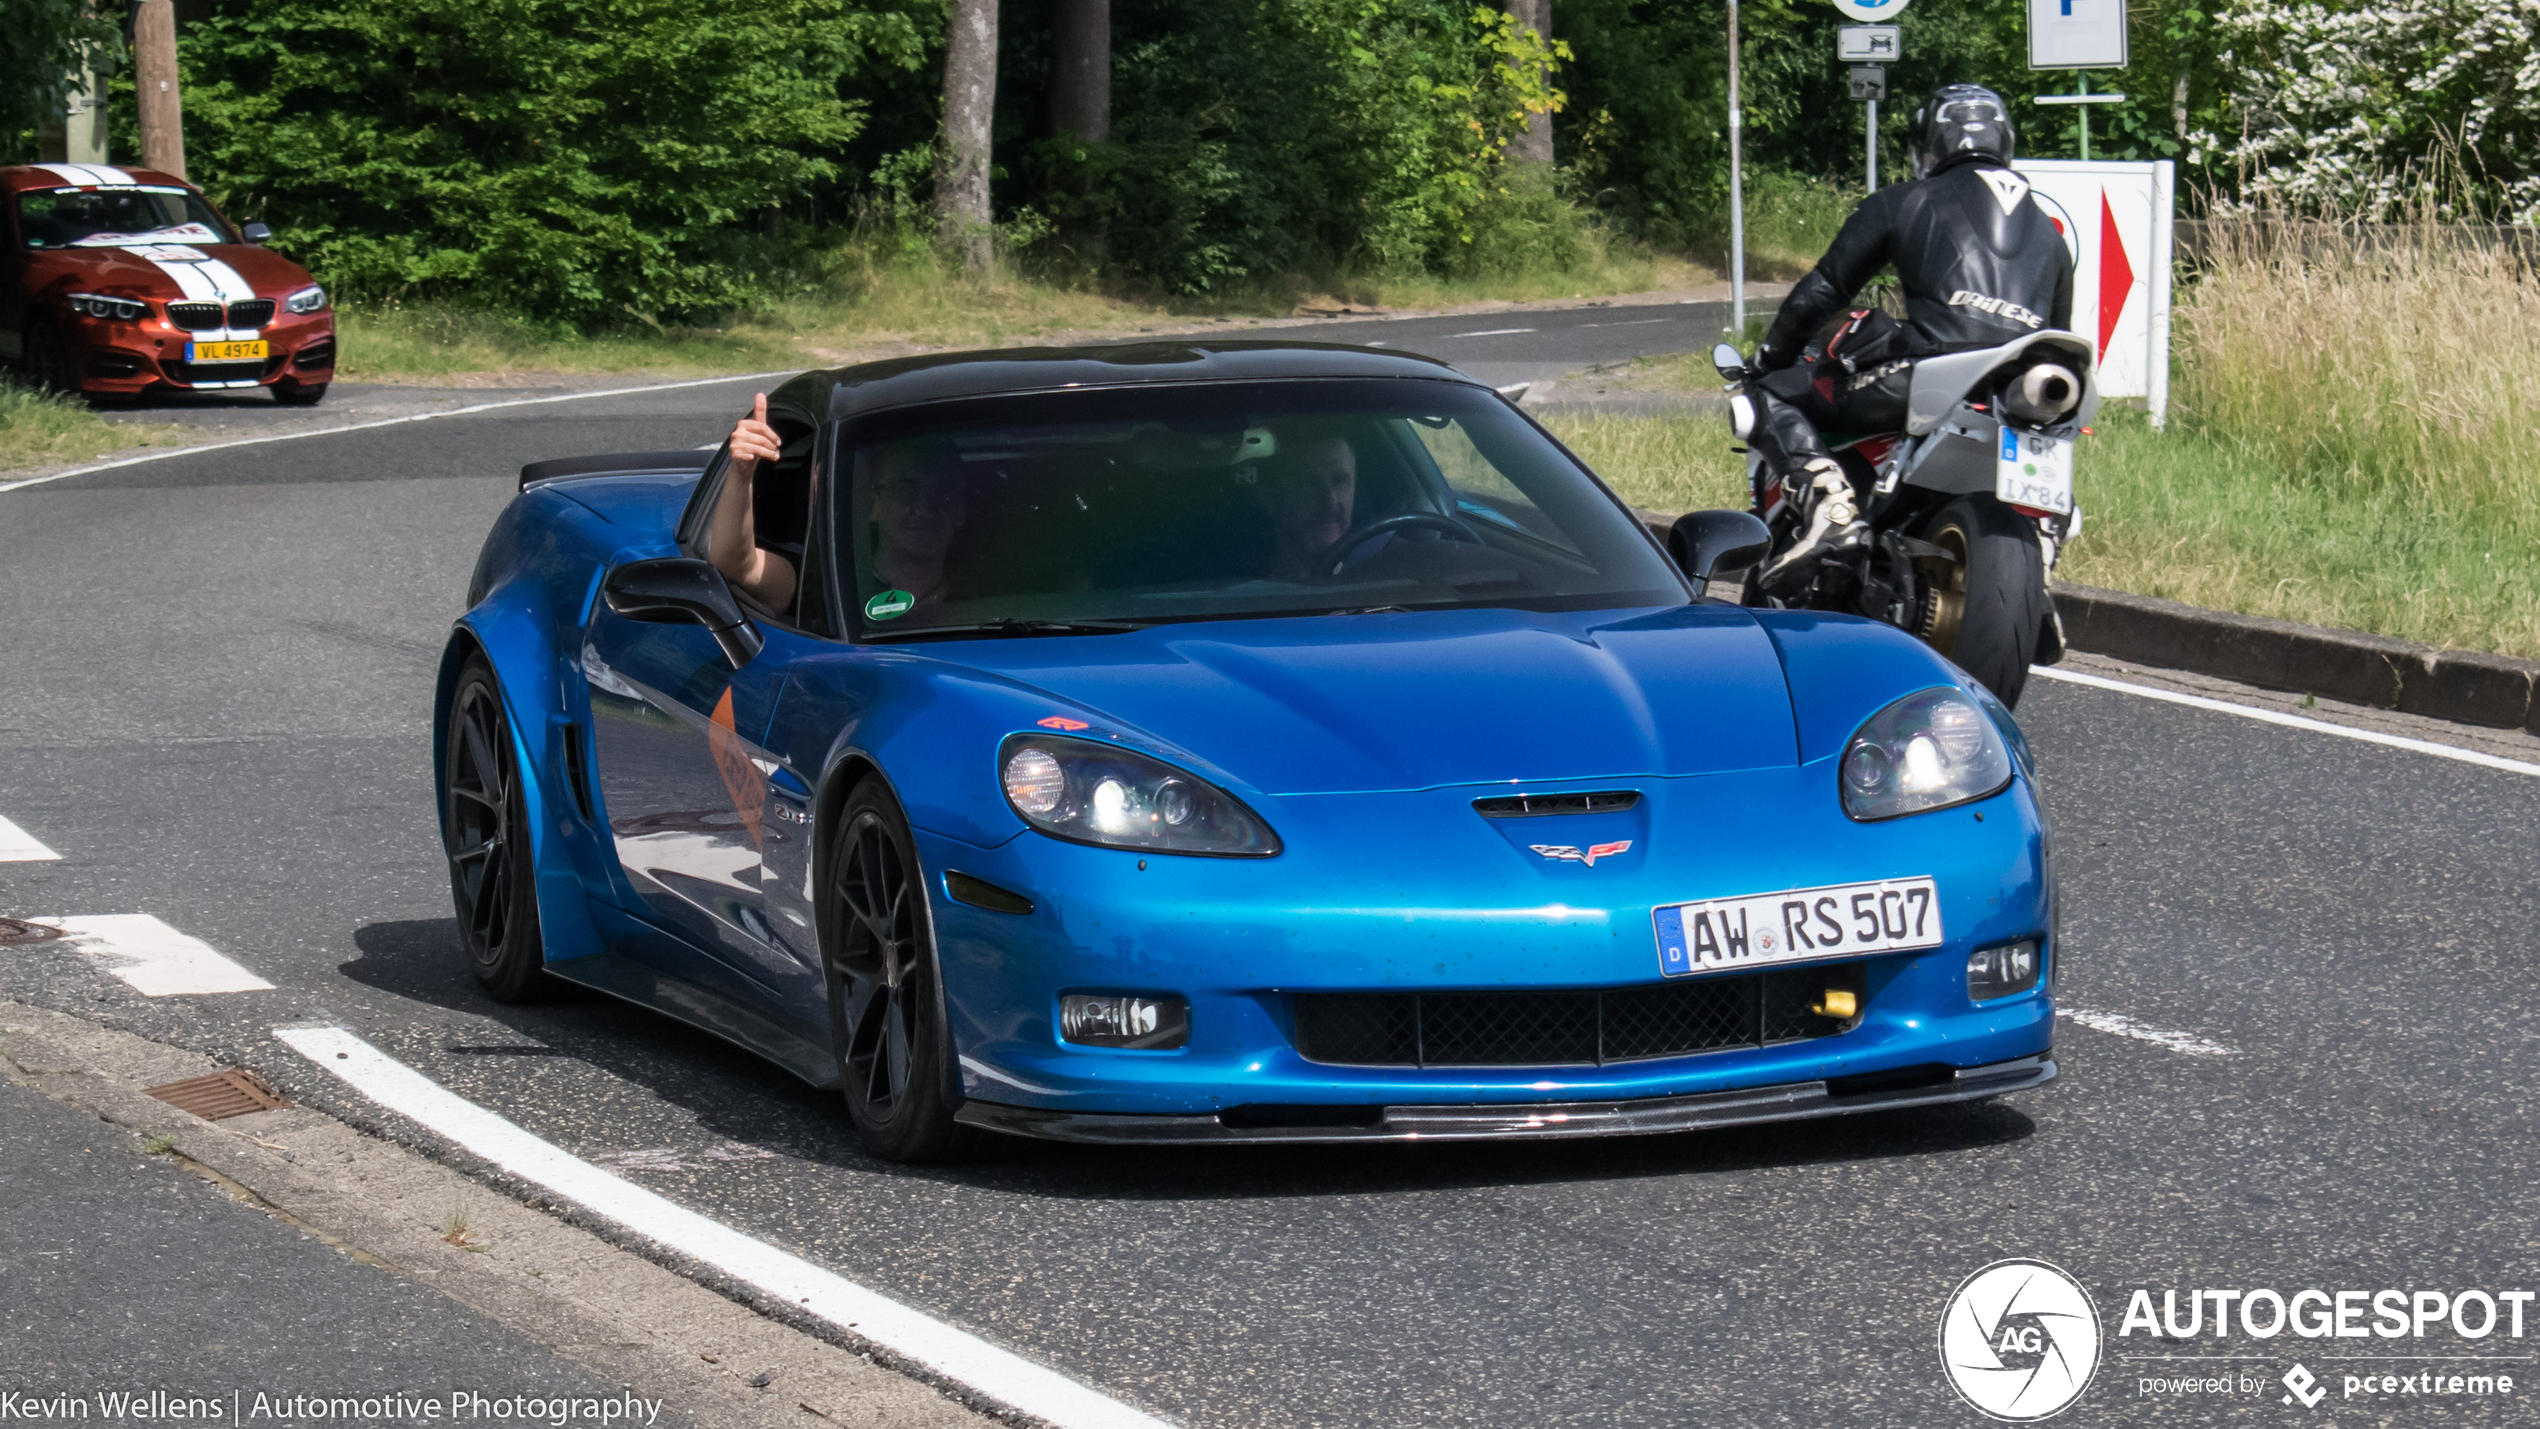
1980 264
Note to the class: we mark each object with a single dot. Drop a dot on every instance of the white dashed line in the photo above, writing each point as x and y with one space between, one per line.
2124 1026
2292 721
957 1355
383 422
1634 322
157 960
1493 332
19 846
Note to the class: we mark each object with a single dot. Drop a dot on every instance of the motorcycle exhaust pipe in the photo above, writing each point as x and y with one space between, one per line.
2044 393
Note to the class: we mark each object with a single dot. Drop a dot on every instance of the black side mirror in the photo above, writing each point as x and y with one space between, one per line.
257 233
676 589
1730 361
1713 543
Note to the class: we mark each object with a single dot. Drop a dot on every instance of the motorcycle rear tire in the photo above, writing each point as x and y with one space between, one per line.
1987 608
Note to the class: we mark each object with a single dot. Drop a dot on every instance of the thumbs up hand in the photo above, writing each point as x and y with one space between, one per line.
753 440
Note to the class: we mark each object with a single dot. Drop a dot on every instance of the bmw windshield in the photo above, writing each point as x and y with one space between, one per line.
119 217
1117 507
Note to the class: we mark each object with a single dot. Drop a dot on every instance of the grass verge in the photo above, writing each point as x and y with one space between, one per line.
40 429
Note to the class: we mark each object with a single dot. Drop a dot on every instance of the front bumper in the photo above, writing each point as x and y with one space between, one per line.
1648 1116
111 357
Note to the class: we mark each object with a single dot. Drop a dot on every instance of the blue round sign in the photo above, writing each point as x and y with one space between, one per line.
1872 9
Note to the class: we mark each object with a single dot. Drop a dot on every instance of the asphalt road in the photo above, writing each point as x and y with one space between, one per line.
217 709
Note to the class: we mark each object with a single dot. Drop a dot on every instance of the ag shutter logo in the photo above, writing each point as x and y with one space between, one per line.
2020 1340
2306 1387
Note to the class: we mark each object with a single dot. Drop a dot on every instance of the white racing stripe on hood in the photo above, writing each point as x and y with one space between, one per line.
232 288
187 274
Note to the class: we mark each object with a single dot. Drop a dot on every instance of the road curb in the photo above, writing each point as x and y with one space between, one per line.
2462 686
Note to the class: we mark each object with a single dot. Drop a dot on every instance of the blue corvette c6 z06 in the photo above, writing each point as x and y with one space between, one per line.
1232 742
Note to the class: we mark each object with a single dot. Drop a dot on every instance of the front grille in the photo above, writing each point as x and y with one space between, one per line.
1568 1029
208 317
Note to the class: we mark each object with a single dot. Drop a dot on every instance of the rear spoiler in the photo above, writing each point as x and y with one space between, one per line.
620 464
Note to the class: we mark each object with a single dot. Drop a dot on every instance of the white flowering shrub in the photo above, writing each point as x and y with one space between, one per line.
2366 105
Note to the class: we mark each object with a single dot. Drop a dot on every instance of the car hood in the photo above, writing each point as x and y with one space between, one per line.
1362 703
135 273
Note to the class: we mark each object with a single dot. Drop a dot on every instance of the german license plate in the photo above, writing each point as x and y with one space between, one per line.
225 351
2035 471
1846 920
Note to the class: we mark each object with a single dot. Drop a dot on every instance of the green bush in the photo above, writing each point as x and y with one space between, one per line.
566 159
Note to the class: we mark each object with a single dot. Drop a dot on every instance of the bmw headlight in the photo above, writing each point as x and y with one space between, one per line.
307 300
1926 751
98 306
1094 793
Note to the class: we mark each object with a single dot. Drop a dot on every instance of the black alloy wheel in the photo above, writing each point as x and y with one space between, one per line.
44 362
485 832
886 1010
1987 600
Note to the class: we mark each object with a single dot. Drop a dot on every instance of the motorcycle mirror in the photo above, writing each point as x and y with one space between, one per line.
1730 361
678 589
1709 544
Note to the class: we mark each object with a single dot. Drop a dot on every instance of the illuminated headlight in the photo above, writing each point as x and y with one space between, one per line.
1926 751
1147 1023
307 300
1094 793
2002 971
117 309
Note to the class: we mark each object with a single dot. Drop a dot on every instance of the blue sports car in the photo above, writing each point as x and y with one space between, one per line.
1228 742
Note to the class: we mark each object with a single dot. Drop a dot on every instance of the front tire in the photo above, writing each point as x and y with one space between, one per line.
44 362
1986 606
485 833
886 1007
296 394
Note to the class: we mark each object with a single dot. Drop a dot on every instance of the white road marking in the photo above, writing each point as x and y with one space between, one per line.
2293 721
19 846
157 960
384 422
1493 332
2124 1026
957 1355
1634 322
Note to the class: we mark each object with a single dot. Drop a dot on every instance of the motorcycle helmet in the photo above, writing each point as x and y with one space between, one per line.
1958 122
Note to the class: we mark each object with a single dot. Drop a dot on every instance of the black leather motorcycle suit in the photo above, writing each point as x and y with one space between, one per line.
1980 264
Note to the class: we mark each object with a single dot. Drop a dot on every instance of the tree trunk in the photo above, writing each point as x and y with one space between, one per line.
1080 68
962 215
1534 146
154 86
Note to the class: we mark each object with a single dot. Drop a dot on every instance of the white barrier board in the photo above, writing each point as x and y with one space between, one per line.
2116 219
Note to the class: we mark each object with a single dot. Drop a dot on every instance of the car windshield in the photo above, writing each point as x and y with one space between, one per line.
117 217
1084 509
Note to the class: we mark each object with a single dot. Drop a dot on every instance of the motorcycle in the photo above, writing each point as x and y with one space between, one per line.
1968 506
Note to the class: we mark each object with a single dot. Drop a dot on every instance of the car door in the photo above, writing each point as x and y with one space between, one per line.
685 776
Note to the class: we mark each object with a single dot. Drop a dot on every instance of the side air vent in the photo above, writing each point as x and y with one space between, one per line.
1536 806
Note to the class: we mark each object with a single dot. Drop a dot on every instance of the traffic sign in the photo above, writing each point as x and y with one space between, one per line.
1869 44
2076 34
1872 9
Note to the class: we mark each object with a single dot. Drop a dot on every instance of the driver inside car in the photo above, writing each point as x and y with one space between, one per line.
1309 491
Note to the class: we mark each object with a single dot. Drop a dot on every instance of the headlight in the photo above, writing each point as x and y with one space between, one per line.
1926 751
307 300
97 306
1088 792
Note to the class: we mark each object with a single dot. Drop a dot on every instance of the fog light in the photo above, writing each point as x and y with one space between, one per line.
1098 1020
1999 972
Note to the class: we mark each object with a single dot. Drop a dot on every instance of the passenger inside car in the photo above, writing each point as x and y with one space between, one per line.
920 501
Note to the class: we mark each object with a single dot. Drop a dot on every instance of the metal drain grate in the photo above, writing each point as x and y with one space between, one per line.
222 1094
18 930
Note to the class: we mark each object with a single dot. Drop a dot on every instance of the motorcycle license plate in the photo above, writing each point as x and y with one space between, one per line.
2035 471
1802 925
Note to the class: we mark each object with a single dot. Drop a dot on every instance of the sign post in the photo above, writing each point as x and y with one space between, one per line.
1869 49
1737 193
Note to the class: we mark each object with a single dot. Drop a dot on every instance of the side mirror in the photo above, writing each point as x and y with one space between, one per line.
678 589
1730 361
257 233
1713 543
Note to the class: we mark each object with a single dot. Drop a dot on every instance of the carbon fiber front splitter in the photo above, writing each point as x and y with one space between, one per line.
1790 1101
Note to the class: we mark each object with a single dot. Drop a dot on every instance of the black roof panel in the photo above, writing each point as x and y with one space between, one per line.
936 377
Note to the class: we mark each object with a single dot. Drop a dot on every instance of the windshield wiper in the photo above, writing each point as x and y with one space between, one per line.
1009 625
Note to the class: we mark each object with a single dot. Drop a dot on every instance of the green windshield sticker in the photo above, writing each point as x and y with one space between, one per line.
889 605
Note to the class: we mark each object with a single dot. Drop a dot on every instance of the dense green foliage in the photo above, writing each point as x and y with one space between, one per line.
46 40
555 156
